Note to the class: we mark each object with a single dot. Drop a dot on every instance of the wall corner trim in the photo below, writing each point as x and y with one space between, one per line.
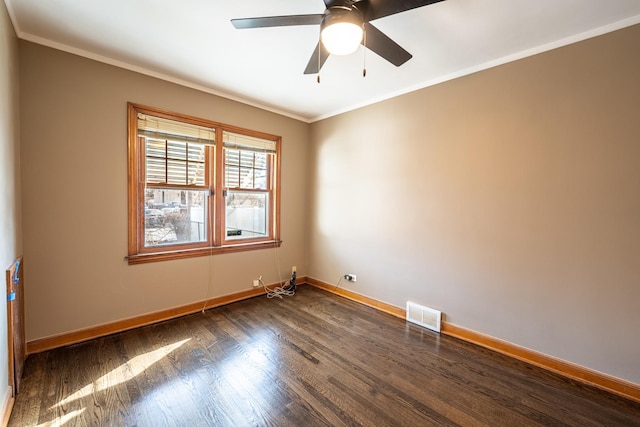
567 369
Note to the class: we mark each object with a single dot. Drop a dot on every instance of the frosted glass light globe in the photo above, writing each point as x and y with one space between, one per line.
341 38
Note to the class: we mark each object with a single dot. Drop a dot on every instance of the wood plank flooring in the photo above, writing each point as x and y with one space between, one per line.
314 359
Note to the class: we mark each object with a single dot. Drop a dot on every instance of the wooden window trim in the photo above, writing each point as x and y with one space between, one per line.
216 242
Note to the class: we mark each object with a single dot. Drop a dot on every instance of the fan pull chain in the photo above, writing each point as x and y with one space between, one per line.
319 49
364 53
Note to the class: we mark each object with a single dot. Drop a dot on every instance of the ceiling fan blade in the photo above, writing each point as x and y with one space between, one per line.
380 8
277 21
381 44
316 62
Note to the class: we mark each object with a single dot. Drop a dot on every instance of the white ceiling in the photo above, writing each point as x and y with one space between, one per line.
192 42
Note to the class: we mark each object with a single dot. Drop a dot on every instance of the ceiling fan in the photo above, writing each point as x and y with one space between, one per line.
344 25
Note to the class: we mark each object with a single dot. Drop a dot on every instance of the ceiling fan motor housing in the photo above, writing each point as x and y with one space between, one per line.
341 14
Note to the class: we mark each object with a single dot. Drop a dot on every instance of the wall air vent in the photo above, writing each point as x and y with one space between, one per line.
424 316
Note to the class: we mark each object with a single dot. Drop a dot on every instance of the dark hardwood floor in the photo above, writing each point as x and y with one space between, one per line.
314 359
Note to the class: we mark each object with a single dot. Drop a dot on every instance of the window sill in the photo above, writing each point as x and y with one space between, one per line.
191 253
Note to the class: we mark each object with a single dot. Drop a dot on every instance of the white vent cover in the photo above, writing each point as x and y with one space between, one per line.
424 316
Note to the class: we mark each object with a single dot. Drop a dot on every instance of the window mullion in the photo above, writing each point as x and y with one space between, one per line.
253 168
186 160
219 205
166 161
211 200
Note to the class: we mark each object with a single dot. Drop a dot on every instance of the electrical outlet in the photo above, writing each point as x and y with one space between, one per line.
350 277
293 269
256 282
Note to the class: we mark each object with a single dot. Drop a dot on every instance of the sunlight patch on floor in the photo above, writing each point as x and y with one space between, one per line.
249 369
62 420
124 372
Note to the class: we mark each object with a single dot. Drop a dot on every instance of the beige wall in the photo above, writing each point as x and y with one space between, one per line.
509 199
74 154
10 226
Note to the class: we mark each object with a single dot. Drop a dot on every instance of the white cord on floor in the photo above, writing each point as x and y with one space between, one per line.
278 291
277 253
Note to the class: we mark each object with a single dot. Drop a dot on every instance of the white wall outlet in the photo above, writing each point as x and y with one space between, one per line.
293 269
256 283
350 277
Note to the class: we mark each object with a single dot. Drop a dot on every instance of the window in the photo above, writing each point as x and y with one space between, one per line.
198 187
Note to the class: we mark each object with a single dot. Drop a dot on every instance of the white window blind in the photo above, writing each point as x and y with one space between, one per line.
160 128
243 142
174 151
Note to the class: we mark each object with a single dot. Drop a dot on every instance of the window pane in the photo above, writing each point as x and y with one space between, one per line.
196 153
175 162
247 215
196 174
246 178
156 170
176 172
260 179
174 217
233 178
176 150
247 159
232 157
245 169
155 148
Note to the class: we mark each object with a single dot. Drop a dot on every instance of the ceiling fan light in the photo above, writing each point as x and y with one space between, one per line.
341 38
341 29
